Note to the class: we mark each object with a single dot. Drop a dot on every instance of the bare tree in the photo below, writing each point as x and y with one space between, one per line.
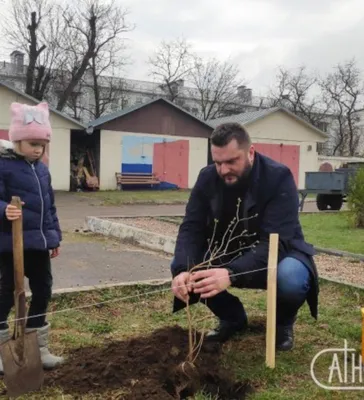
107 88
343 90
36 27
299 92
102 85
92 26
75 106
63 42
216 83
171 63
108 93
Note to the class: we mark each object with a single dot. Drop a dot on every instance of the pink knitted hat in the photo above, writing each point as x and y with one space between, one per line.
29 122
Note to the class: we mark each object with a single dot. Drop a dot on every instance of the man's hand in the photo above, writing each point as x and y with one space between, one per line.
210 282
12 213
55 253
181 287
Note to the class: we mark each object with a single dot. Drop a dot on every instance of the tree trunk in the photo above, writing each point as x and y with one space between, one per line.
77 76
351 135
32 55
96 88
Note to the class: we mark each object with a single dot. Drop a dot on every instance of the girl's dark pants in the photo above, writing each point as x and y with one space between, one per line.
37 268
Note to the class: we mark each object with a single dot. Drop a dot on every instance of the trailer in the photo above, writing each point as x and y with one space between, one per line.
331 188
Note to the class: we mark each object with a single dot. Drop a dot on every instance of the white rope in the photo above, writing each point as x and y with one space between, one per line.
65 310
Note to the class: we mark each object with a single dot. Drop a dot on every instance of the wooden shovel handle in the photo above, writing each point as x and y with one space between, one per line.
18 250
19 292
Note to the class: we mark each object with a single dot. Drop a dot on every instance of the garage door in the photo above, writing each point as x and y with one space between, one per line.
4 134
170 162
283 153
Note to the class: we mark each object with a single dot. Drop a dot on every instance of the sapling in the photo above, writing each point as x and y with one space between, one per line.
215 252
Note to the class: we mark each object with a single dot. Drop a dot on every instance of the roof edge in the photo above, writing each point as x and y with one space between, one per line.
290 113
272 110
107 118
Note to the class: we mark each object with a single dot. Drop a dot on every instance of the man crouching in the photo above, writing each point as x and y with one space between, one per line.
266 194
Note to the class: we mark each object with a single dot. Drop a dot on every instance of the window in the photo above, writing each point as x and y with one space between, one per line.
322 125
114 107
323 148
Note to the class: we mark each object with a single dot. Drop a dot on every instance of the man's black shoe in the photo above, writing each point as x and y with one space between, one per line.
225 330
284 338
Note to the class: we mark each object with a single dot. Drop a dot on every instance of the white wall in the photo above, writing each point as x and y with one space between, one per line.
60 158
198 158
111 156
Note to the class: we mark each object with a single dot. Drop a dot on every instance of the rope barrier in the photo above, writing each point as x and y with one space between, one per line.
115 300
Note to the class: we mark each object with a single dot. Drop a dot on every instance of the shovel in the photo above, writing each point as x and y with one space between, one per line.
23 370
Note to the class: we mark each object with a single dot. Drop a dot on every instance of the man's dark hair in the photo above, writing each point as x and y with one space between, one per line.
225 133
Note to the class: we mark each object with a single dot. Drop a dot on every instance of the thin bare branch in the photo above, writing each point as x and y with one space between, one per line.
298 90
216 83
344 92
172 63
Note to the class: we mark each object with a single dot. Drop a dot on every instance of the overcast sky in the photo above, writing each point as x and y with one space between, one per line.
258 35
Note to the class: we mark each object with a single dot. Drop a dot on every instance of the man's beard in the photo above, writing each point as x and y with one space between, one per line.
243 179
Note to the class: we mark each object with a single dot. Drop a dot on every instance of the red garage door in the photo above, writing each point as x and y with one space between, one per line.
170 162
283 153
4 134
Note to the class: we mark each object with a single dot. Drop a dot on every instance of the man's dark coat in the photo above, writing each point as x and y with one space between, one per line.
272 195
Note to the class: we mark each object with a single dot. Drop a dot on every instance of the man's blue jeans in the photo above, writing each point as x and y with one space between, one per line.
293 284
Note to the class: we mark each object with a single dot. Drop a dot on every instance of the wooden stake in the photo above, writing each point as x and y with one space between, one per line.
362 335
272 300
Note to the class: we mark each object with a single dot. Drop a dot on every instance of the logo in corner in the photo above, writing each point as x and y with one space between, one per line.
345 371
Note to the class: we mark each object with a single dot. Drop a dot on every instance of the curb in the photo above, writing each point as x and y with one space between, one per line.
135 235
323 277
339 253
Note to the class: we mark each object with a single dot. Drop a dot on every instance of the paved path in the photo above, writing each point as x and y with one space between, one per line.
103 261
88 261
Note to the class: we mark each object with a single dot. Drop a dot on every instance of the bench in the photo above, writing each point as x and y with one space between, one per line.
133 178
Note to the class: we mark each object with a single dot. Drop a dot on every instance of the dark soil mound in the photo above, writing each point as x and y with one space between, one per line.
147 368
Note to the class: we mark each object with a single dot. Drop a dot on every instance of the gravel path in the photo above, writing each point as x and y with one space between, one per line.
150 224
342 269
338 268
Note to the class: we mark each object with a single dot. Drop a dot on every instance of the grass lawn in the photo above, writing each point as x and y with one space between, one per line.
331 231
116 198
76 331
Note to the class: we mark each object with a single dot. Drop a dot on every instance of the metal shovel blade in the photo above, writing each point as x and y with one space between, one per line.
23 370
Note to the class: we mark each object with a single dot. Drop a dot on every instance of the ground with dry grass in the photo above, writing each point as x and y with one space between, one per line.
102 344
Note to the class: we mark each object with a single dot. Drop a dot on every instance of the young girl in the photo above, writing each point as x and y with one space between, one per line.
23 174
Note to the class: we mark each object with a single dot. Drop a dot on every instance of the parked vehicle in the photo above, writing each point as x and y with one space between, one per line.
331 187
